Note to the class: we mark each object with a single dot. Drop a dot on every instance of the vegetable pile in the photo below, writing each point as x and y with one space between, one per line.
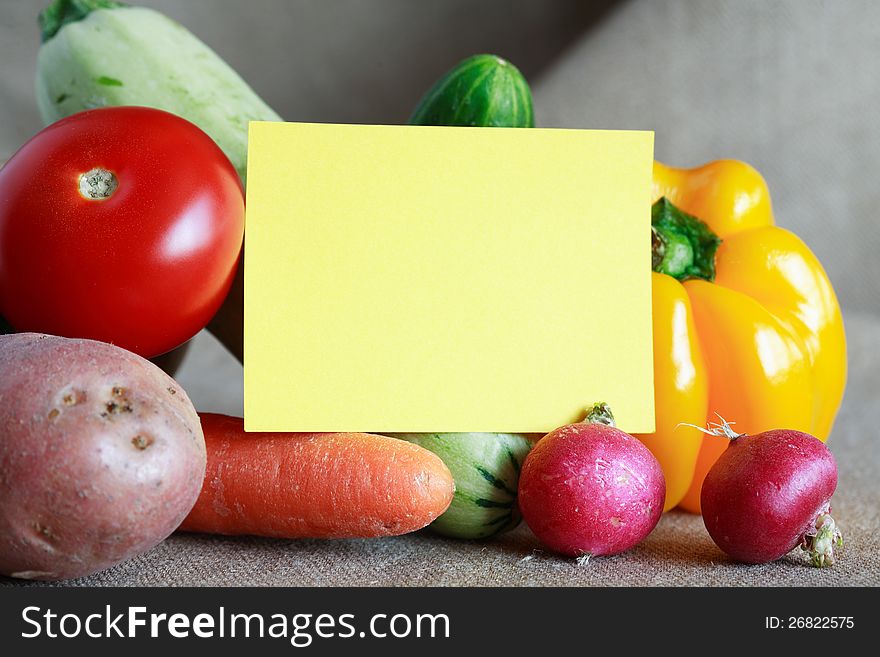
121 225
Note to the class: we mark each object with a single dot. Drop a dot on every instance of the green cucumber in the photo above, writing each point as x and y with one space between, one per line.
485 467
99 53
483 90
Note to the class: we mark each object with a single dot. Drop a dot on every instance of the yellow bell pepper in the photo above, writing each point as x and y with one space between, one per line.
746 323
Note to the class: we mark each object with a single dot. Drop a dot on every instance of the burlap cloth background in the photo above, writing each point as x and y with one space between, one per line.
791 87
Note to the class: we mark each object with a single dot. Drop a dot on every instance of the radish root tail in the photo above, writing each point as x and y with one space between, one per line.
821 540
722 429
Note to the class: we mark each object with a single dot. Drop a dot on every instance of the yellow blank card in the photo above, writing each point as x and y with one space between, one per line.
403 278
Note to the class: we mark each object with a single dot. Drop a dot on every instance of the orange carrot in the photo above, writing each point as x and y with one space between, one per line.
315 485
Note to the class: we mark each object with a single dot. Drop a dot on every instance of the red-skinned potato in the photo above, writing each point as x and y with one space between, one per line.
101 456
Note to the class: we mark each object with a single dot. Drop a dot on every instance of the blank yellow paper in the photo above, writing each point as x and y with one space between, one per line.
405 278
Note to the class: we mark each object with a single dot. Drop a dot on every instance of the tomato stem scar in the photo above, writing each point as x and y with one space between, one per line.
97 184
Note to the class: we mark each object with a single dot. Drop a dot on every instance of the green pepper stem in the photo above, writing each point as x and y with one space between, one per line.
682 246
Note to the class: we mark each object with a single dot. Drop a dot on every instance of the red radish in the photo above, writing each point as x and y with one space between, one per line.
591 489
769 493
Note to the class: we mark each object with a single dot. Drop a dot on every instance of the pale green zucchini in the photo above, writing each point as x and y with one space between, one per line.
99 53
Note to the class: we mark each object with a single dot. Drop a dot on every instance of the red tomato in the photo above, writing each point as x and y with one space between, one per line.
121 224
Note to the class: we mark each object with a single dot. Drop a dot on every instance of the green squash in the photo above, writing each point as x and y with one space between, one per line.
485 467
